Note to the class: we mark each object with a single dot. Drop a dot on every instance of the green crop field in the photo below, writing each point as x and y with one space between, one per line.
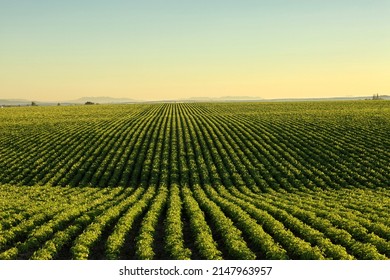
298 180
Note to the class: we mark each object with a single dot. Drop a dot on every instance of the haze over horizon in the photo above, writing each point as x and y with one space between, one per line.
154 50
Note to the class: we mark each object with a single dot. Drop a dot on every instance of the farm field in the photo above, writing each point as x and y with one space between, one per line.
294 180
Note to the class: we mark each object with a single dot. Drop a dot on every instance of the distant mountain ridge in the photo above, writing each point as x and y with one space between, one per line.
225 98
113 100
103 100
14 102
82 100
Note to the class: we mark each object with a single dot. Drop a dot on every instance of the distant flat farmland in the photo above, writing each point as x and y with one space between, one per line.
293 180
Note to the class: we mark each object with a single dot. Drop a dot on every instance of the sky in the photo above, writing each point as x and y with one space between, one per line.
168 49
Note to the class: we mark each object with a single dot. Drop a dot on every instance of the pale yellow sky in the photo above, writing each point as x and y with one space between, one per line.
280 49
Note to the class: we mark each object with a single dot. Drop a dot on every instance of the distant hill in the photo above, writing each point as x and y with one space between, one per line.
240 98
381 97
82 100
103 100
14 102
112 100
24 102
223 98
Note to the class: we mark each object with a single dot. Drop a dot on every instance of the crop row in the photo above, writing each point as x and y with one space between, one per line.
195 181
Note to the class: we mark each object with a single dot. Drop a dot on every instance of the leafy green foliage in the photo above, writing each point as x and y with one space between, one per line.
299 180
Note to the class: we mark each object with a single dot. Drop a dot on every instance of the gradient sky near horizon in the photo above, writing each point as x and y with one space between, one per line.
152 50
